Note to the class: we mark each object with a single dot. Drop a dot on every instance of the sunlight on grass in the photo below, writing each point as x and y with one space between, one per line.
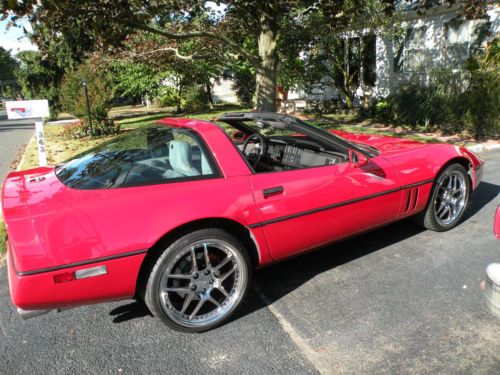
3 238
371 130
60 149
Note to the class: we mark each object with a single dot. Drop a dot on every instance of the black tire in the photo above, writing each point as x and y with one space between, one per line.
212 247
429 218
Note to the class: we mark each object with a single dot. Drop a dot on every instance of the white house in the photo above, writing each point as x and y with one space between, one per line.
435 38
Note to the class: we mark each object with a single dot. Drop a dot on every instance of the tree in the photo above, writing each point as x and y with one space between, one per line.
135 80
100 94
340 51
184 76
39 78
110 21
8 67
104 23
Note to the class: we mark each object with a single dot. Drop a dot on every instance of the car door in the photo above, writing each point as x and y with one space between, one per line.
306 208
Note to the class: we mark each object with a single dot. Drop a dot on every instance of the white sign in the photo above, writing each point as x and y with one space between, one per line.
40 141
23 109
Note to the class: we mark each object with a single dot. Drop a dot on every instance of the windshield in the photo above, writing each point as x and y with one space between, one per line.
149 155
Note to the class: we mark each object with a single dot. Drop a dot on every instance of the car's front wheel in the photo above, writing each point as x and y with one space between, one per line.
199 280
448 201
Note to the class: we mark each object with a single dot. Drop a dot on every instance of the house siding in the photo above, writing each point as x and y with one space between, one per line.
438 43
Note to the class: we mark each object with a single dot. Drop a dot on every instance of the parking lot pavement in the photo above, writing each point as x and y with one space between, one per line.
397 300
121 338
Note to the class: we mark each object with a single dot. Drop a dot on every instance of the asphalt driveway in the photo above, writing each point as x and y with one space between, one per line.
397 300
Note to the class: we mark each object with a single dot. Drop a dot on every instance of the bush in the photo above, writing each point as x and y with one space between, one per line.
79 129
100 97
195 98
483 95
245 86
453 101
382 110
75 130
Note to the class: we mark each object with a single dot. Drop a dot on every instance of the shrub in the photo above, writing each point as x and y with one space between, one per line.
79 129
454 101
100 97
75 130
483 94
195 98
245 86
382 110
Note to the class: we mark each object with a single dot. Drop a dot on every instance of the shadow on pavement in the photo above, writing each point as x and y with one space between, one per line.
133 310
483 195
16 126
278 280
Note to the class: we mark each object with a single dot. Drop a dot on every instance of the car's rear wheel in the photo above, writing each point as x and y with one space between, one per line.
448 201
199 280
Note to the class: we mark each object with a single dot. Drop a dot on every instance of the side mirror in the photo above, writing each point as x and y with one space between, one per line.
357 159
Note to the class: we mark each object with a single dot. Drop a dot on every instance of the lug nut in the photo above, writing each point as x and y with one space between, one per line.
193 287
195 275
203 290
211 281
207 272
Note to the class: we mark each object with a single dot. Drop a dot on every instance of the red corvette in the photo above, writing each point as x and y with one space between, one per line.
179 212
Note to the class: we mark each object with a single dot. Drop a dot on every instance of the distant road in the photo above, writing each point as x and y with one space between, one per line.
14 135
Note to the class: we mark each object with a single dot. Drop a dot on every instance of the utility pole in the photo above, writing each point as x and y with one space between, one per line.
85 90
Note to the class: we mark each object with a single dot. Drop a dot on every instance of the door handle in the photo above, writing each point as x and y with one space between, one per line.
273 191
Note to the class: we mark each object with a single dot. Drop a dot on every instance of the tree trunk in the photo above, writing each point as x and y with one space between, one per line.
268 62
209 95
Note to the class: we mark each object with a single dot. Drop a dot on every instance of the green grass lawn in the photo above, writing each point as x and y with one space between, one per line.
3 238
60 149
371 130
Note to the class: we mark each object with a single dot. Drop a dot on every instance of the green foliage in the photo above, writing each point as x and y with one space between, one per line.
382 110
8 64
483 94
195 98
8 68
244 82
135 80
455 101
100 94
340 48
39 79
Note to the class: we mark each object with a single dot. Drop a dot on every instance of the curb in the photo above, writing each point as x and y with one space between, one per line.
481 148
61 122
24 153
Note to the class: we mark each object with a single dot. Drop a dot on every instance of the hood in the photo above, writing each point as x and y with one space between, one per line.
386 145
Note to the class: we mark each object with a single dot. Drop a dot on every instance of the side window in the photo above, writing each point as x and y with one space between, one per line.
146 156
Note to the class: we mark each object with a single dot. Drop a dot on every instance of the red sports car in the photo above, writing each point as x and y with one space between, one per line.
179 212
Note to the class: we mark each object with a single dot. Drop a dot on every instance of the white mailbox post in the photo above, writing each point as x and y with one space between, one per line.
36 109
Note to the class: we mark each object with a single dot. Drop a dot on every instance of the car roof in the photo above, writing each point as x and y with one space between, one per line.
180 122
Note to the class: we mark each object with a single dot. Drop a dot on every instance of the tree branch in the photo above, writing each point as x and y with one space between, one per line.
254 60
172 49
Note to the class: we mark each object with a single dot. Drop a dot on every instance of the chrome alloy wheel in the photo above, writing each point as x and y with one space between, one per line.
203 283
451 198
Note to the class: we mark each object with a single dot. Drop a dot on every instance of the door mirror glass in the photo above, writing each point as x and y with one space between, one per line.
357 159
238 136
